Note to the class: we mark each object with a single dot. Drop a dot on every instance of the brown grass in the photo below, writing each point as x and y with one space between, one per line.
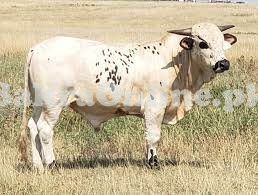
209 152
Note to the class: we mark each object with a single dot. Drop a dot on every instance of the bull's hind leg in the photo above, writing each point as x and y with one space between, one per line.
153 116
35 142
45 124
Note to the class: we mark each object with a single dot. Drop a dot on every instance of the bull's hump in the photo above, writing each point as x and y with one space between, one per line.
153 49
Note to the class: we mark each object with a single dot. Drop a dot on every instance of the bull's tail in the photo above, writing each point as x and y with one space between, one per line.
23 136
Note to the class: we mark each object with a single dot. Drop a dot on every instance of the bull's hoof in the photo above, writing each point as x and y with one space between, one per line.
153 162
54 166
23 167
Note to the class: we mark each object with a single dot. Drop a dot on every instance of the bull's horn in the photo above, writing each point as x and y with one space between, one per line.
226 27
186 32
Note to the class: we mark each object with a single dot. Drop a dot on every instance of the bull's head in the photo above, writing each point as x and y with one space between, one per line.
207 44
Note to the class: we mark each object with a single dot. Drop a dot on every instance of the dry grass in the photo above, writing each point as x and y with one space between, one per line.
209 152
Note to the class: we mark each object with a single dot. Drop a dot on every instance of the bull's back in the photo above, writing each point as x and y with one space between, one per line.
58 60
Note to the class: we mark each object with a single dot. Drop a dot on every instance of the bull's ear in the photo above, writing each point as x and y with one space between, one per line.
187 43
229 40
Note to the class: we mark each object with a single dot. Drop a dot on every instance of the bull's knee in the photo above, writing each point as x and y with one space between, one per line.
33 128
46 139
45 132
36 146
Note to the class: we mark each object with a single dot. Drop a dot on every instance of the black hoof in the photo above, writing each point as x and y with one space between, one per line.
23 167
54 166
153 162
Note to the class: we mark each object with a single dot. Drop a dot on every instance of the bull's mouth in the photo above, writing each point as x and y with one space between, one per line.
218 69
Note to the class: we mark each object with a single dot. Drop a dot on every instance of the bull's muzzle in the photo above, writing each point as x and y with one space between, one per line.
221 66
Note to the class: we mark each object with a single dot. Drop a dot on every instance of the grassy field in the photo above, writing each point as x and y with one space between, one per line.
209 152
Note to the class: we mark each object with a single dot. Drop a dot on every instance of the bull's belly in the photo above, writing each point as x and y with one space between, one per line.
97 114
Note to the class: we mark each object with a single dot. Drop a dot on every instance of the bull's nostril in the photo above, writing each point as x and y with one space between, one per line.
224 64
215 67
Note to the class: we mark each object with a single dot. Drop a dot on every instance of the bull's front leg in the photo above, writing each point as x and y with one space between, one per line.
153 116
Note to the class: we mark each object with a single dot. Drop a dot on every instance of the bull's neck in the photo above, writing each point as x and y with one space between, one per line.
190 74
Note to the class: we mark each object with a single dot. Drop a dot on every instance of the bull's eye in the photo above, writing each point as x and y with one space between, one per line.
203 45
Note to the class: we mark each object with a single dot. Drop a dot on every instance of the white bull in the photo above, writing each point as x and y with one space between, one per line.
87 75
